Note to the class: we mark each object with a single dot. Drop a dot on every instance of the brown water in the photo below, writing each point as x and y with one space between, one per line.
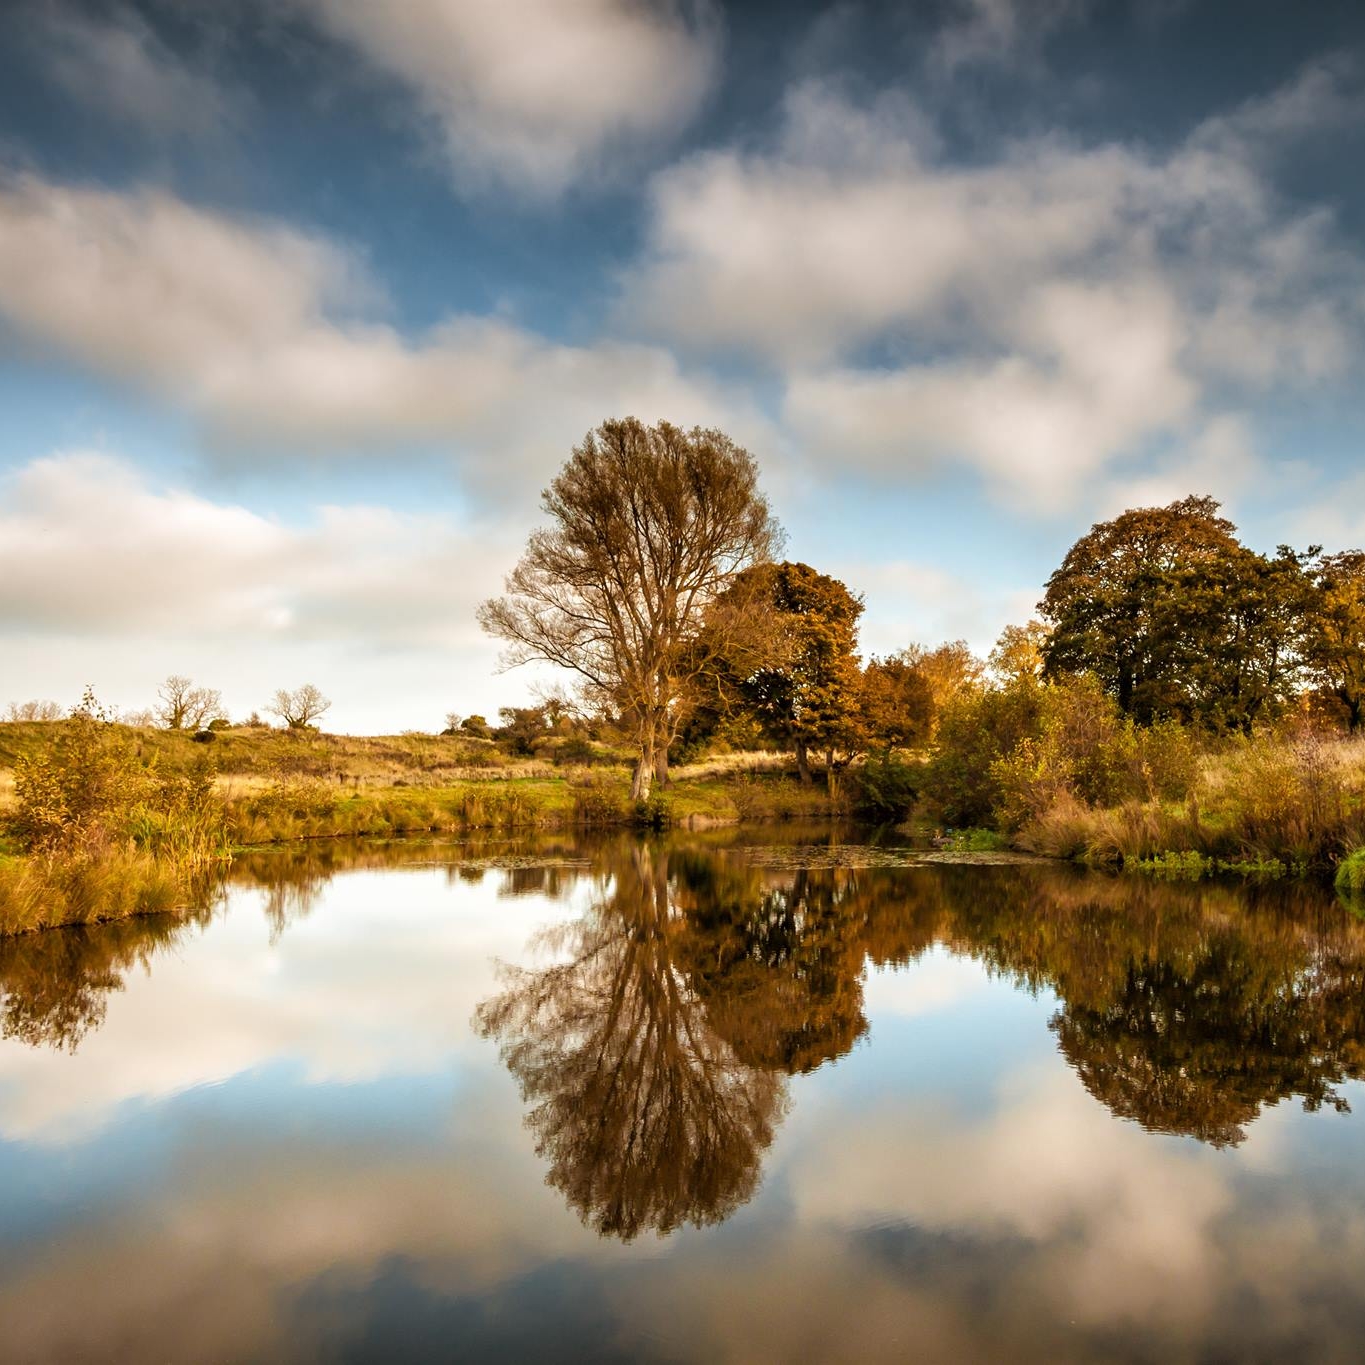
725 1098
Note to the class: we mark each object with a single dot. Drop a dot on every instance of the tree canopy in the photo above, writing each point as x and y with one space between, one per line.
797 671
1177 618
648 526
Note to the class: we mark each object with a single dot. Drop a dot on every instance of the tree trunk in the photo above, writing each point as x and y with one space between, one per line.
661 765
803 763
644 773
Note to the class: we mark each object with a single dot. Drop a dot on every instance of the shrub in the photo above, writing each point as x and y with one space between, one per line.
976 730
106 835
886 785
597 802
1350 880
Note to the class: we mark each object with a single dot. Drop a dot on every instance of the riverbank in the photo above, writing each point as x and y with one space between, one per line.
149 831
95 819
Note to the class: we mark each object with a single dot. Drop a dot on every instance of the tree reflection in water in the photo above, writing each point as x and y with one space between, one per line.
655 1054
56 984
655 1050
647 1117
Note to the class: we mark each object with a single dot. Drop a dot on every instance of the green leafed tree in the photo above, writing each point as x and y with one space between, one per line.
1176 618
797 672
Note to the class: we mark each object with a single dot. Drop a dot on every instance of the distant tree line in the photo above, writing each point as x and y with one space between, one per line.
183 705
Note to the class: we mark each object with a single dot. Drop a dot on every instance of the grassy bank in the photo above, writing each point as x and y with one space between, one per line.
101 821
1058 771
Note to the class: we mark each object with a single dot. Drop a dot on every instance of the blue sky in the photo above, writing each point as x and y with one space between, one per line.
303 302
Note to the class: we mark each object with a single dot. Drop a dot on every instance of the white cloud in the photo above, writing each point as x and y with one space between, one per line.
91 552
537 94
1221 459
1077 305
88 544
118 66
268 336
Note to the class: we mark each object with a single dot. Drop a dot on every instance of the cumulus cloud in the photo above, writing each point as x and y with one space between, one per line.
534 94
914 603
93 551
275 337
117 65
1040 315
88 544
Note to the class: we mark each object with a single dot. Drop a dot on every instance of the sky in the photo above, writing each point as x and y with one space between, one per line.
304 302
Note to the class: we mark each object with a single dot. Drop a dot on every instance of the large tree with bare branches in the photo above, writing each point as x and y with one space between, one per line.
648 526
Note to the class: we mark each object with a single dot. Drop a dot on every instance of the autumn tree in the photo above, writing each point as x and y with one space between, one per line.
300 708
1175 617
897 703
1243 619
183 706
1019 653
1335 644
648 526
797 669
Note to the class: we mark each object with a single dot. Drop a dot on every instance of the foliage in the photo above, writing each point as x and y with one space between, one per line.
1350 880
948 671
897 703
1335 649
106 834
797 675
648 526
1019 654
886 785
1086 750
1177 619
977 730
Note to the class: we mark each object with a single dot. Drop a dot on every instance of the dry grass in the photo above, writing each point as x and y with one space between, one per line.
1294 801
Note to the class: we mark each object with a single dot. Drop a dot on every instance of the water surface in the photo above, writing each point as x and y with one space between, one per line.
737 1097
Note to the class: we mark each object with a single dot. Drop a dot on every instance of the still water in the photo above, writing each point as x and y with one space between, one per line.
737 1097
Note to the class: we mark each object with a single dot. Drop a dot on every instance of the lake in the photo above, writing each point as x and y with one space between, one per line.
772 1095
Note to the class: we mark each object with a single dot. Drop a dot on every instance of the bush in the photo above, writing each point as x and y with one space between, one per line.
106 835
598 802
976 731
886 785
1350 880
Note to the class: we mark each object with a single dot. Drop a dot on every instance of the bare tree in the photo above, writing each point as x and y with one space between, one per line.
300 708
34 710
183 706
649 525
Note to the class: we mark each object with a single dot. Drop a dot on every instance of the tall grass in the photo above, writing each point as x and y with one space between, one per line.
105 834
1350 880
1299 802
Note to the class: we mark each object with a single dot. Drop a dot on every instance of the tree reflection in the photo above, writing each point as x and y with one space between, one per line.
56 984
1198 1042
647 1117
779 965
1188 1010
